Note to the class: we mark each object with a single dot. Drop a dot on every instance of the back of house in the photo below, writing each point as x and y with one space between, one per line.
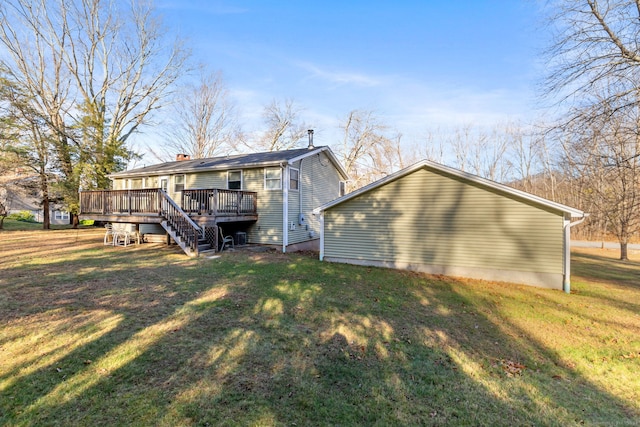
283 186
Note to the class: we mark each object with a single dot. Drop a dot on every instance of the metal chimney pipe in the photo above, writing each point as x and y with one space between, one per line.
310 132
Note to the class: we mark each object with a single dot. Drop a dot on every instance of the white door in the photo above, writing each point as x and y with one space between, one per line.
164 183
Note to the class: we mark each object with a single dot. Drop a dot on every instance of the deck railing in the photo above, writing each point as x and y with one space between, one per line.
183 226
220 202
107 202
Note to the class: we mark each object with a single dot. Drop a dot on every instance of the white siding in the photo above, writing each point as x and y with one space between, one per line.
319 184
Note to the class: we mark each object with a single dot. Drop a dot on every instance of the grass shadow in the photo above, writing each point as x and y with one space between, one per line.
275 339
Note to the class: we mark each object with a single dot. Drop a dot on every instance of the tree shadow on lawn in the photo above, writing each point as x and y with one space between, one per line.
622 275
236 341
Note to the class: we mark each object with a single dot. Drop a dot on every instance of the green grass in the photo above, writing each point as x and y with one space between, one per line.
96 335
14 225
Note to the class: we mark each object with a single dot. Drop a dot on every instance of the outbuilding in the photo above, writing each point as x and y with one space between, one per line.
440 220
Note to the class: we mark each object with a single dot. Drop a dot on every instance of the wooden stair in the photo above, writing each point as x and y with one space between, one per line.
181 228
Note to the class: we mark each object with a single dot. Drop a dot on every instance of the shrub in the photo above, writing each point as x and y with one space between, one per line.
24 216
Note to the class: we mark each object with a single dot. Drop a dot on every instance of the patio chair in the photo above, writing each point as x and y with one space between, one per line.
121 236
225 239
109 234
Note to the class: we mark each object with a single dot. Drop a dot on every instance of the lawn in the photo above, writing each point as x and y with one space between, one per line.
97 335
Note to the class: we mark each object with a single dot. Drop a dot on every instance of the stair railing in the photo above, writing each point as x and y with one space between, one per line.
184 226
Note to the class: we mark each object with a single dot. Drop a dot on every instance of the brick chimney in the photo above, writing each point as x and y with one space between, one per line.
181 157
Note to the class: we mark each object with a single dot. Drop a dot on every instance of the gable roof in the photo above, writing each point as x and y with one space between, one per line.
452 172
238 161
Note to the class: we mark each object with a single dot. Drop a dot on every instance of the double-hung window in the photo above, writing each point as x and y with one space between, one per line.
272 179
178 183
61 215
294 179
234 180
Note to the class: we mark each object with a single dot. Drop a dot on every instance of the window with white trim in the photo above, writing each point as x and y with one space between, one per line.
234 180
178 183
272 178
294 179
61 215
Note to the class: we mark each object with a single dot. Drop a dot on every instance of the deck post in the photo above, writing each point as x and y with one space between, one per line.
104 203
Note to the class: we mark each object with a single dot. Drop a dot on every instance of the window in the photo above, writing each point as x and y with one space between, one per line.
272 178
234 180
61 215
178 183
294 179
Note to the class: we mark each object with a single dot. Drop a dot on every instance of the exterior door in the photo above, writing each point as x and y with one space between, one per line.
164 183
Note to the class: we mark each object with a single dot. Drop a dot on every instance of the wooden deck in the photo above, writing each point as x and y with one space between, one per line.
144 206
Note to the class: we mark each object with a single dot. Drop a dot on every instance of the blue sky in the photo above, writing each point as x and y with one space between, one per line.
419 64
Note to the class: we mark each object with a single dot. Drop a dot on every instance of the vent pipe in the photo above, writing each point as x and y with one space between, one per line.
310 132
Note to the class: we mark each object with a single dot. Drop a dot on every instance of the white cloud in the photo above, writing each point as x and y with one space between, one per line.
339 77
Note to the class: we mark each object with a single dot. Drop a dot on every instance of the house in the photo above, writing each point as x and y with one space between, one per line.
436 219
18 199
267 198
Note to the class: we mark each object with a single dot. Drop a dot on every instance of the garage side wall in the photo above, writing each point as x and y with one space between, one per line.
430 222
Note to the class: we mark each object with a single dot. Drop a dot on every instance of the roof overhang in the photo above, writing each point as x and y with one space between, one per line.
329 154
191 166
482 182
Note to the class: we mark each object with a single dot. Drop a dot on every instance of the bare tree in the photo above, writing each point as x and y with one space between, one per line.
472 149
433 147
94 71
204 120
595 73
363 136
284 127
605 158
595 48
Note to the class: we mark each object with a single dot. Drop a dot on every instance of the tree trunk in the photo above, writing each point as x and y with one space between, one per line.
46 213
623 251
75 220
2 222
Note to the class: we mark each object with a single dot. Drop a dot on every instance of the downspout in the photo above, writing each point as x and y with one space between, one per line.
285 206
321 235
566 284
300 189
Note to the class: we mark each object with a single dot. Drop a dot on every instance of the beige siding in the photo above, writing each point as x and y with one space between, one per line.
428 218
319 184
119 184
217 179
268 228
152 182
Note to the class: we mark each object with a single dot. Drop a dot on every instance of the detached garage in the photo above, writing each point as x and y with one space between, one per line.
435 219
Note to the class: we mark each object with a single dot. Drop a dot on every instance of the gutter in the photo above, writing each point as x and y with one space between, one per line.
566 284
